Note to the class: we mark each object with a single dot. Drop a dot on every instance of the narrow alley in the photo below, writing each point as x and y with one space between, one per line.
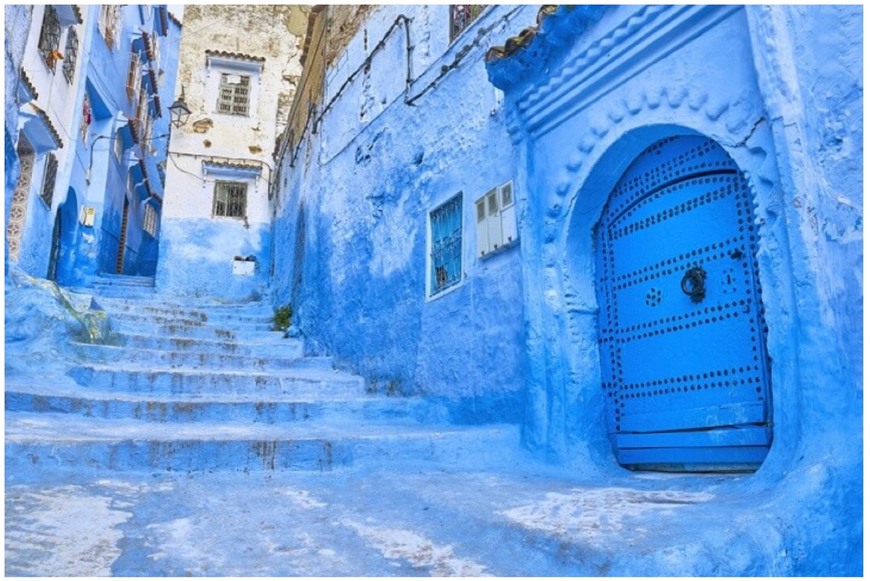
433 290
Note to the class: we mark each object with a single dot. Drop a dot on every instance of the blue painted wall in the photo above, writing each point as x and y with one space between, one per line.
194 261
98 177
784 101
350 232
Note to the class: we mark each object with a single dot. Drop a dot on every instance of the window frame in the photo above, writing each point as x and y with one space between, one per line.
71 53
49 173
110 16
49 37
453 31
218 184
495 217
433 290
233 87
149 221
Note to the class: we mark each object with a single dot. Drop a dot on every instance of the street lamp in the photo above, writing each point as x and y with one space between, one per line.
178 111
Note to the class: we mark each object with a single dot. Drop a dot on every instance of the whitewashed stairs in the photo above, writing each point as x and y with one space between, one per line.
211 386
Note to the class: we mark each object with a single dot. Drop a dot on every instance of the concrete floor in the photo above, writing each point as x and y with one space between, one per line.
411 520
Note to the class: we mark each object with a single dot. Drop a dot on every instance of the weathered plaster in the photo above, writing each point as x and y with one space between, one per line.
352 213
215 138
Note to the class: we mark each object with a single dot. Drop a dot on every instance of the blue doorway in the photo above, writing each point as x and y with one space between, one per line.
684 364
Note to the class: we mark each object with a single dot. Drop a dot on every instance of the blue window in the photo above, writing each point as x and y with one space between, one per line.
445 245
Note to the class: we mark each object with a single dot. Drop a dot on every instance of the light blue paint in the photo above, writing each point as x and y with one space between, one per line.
579 127
351 232
197 255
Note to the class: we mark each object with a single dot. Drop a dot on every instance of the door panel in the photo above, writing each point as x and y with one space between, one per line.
681 328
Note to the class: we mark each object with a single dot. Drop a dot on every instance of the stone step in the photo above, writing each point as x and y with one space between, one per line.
106 279
198 359
255 384
52 441
198 329
257 347
120 291
234 320
253 310
219 407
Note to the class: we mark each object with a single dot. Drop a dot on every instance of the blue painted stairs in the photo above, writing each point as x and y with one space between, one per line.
211 386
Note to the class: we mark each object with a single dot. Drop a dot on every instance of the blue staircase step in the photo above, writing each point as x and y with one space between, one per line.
50 440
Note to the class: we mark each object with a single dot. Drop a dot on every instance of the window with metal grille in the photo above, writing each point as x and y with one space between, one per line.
49 38
110 16
233 94
134 74
230 199
461 16
445 245
48 179
71 55
149 223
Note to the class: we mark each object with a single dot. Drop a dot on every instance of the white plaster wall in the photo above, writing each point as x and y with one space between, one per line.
57 97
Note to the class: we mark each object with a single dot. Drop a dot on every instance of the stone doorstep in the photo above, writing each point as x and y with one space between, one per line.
45 440
106 354
270 409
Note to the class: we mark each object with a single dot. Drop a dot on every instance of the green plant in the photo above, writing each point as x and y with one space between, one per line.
282 317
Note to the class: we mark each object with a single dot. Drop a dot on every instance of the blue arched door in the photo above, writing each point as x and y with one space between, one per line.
681 328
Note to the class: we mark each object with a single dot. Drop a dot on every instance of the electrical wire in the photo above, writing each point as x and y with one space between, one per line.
408 100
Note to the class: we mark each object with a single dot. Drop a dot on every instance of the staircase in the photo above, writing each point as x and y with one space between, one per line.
209 386
124 285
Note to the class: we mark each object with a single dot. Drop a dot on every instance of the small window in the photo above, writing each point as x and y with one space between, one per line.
86 119
119 146
71 55
134 74
230 199
445 251
48 179
149 223
49 38
110 16
461 16
496 220
234 94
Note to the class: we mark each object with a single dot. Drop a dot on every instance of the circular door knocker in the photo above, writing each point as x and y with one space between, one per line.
693 283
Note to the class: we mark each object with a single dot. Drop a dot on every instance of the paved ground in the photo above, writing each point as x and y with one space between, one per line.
420 519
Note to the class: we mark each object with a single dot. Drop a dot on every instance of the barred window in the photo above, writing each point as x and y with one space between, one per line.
49 38
71 55
149 223
461 16
233 94
110 15
134 74
48 179
445 250
230 199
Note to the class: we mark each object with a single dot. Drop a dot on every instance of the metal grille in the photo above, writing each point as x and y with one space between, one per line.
134 74
461 16
49 38
446 254
48 179
230 199
110 16
71 55
149 223
234 93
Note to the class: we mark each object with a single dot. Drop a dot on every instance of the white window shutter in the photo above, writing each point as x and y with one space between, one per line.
482 231
508 214
493 220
